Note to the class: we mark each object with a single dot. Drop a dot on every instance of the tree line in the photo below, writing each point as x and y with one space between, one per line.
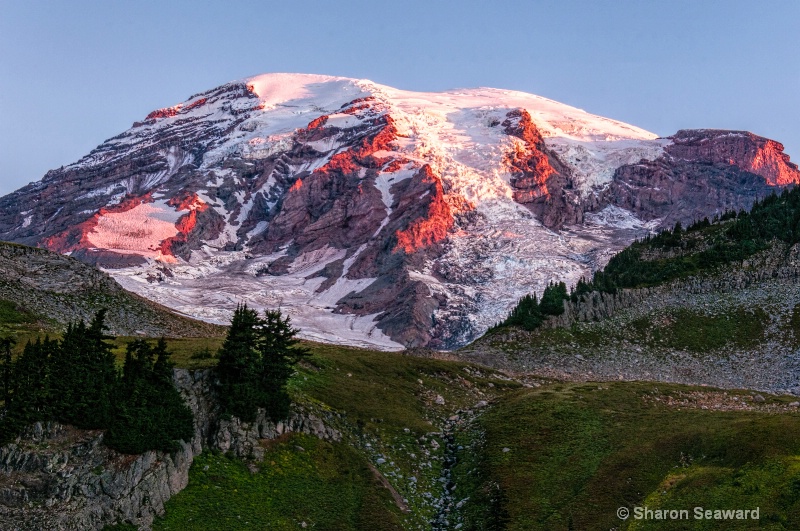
255 363
530 312
677 253
74 380
703 246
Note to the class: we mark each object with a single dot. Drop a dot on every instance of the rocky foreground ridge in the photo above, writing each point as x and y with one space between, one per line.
373 215
60 290
639 334
55 477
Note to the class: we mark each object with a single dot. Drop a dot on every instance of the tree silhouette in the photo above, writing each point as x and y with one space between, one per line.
255 362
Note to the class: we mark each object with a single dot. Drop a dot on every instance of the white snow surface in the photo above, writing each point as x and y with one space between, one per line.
457 132
614 216
139 230
212 284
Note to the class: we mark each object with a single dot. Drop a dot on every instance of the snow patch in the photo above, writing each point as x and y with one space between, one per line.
139 230
616 217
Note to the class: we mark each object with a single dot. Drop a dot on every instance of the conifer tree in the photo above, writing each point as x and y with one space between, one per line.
255 362
28 397
279 354
75 381
149 412
85 376
32 377
240 366
526 314
6 344
553 299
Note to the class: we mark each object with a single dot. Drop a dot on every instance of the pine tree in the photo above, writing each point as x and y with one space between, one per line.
75 381
84 376
29 396
255 362
553 299
526 314
6 344
279 354
149 412
239 366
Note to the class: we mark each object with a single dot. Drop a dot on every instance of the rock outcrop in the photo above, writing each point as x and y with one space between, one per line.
55 477
702 173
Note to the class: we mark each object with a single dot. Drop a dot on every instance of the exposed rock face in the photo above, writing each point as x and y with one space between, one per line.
373 215
702 173
55 477
540 180
747 151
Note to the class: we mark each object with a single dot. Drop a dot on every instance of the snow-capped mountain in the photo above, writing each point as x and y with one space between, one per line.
374 215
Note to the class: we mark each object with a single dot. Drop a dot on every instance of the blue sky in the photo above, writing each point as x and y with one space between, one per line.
73 74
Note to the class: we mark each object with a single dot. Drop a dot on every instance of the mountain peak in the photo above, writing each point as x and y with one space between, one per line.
375 215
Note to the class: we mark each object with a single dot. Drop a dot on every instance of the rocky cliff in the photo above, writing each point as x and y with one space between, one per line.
701 173
374 215
55 477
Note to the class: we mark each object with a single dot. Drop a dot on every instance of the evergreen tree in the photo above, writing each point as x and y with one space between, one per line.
6 344
279 354
29 394
75 381
84 376
239 366
553 299
149 412
32 379
255 362
526 314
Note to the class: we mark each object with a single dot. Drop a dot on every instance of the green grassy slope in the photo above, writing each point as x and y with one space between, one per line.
389 416
543 455
567 456
302 480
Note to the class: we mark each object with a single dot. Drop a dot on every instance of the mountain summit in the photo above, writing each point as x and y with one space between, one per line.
374 215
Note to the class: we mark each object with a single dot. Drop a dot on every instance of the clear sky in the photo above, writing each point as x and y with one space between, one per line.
74 73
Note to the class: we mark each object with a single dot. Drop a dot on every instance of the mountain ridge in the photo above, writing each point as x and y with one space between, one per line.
372 215
62 290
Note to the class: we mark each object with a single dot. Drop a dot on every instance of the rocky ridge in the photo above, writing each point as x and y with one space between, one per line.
600 337
63 289
58 478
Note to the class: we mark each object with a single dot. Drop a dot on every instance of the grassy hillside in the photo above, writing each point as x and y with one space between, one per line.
302 480
567 456
391 407
543 454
